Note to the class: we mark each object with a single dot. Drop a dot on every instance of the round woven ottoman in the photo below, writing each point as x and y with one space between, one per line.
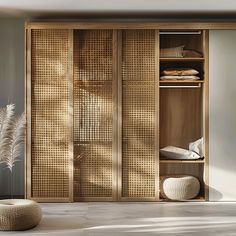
179 187
19 214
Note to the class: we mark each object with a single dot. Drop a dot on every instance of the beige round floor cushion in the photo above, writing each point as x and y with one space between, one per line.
19 214
179 187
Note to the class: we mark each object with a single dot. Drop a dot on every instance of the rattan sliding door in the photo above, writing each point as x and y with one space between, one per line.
49 120
138 115
93 115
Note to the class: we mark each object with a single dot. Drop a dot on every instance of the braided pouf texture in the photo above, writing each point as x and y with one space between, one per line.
19 214
179 187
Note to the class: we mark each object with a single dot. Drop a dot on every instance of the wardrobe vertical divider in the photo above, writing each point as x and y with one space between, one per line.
115 98
157 126
119 114
206 112
28 106
71 114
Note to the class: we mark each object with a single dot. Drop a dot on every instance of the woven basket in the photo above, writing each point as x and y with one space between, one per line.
19 214
179 187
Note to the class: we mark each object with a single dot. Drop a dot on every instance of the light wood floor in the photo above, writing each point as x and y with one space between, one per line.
113 219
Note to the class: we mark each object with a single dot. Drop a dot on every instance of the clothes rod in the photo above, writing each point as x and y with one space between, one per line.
181 32
180 86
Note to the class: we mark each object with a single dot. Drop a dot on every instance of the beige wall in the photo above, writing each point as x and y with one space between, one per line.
12 87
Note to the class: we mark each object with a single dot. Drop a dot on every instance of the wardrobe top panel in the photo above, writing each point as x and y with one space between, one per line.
130 25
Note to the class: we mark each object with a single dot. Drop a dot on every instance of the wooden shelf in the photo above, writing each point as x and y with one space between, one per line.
182 59
197 199
182 81
182 161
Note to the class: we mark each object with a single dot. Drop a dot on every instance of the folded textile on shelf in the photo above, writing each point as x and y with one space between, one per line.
180 77
179 52
172 52
180 71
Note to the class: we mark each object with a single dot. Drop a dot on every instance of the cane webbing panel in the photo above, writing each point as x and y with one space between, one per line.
93 55
138 113
50 135
93 113
138 55
93 170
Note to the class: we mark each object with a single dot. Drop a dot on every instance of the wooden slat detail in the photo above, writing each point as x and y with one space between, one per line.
71 120
50 98
115 118
132 25
157 112
138 113
28 170
93 114
93 199
50 200
206 111
119 114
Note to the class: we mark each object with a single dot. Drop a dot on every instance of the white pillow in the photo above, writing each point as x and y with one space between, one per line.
197 147
171 152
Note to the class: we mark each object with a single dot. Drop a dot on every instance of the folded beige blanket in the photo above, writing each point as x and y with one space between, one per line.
179 71
179 77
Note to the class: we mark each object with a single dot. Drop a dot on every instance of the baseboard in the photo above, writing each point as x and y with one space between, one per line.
10 197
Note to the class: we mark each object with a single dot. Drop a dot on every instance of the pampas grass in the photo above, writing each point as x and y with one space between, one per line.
12 135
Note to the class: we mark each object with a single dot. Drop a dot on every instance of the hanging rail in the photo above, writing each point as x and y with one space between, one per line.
180 32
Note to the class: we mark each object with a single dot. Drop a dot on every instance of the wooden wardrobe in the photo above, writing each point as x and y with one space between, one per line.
98 113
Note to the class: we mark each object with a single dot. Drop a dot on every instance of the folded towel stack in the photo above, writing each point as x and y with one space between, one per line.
178 52
180 74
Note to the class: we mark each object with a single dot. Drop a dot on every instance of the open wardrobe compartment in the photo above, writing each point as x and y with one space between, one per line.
116 113
182 112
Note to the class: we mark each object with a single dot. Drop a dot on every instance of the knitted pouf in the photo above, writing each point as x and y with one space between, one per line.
19 214
179 187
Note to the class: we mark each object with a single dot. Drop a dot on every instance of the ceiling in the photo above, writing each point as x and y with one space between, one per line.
37 8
